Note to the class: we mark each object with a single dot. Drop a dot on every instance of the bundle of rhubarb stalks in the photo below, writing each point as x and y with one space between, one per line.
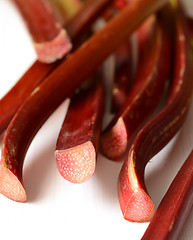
151 45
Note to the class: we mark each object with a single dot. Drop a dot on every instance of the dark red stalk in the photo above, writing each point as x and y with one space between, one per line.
51 41
143 34
59 85
135 202
123 74
190 27
76 27
175 206
77 144
66 9
125 70
153 71
86 18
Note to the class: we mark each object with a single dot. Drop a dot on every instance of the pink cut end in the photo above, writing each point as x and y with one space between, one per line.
10 186
55 49
140 207
114 141
77 164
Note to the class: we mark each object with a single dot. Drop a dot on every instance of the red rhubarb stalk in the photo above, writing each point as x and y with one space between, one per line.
51 41
122 78
66 9
86 18
143 34
77 144
59 85
125 70
135 202
175 206
76 27
143 96
190 27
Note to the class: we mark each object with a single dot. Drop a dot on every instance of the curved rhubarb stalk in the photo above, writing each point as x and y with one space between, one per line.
76 27
175 206
51 41
77 144
59 85
143 95
135 202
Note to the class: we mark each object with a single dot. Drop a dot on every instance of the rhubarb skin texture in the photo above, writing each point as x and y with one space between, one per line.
143 95
175 206
70 74
159 131
77 144
10 103
21 90
51 41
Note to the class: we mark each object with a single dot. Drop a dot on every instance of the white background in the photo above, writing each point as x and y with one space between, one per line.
57 209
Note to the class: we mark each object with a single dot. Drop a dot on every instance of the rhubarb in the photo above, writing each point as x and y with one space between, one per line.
143 95
77 144
175 206
190 28
135 202
76 27
86 18
122 78
59 85
125 68
51 41
66 9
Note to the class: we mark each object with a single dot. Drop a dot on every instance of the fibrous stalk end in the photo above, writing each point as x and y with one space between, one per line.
55 49
136 204
10 186
114 141
77 164
140 207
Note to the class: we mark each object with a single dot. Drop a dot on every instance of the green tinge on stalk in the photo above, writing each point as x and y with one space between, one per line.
192 45
174 4
67 8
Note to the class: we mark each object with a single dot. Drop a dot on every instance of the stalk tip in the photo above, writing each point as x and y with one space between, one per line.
10 186
114 141
77 164
55 49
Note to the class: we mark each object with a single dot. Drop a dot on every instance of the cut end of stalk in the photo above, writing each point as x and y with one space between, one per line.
55 49
136 204
114 141
10 186
77 164
140 207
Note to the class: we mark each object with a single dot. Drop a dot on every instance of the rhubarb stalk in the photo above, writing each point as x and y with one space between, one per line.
135 202
51 41
122 78
77 26
66 9
143 95
59 85
175 206
77 144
